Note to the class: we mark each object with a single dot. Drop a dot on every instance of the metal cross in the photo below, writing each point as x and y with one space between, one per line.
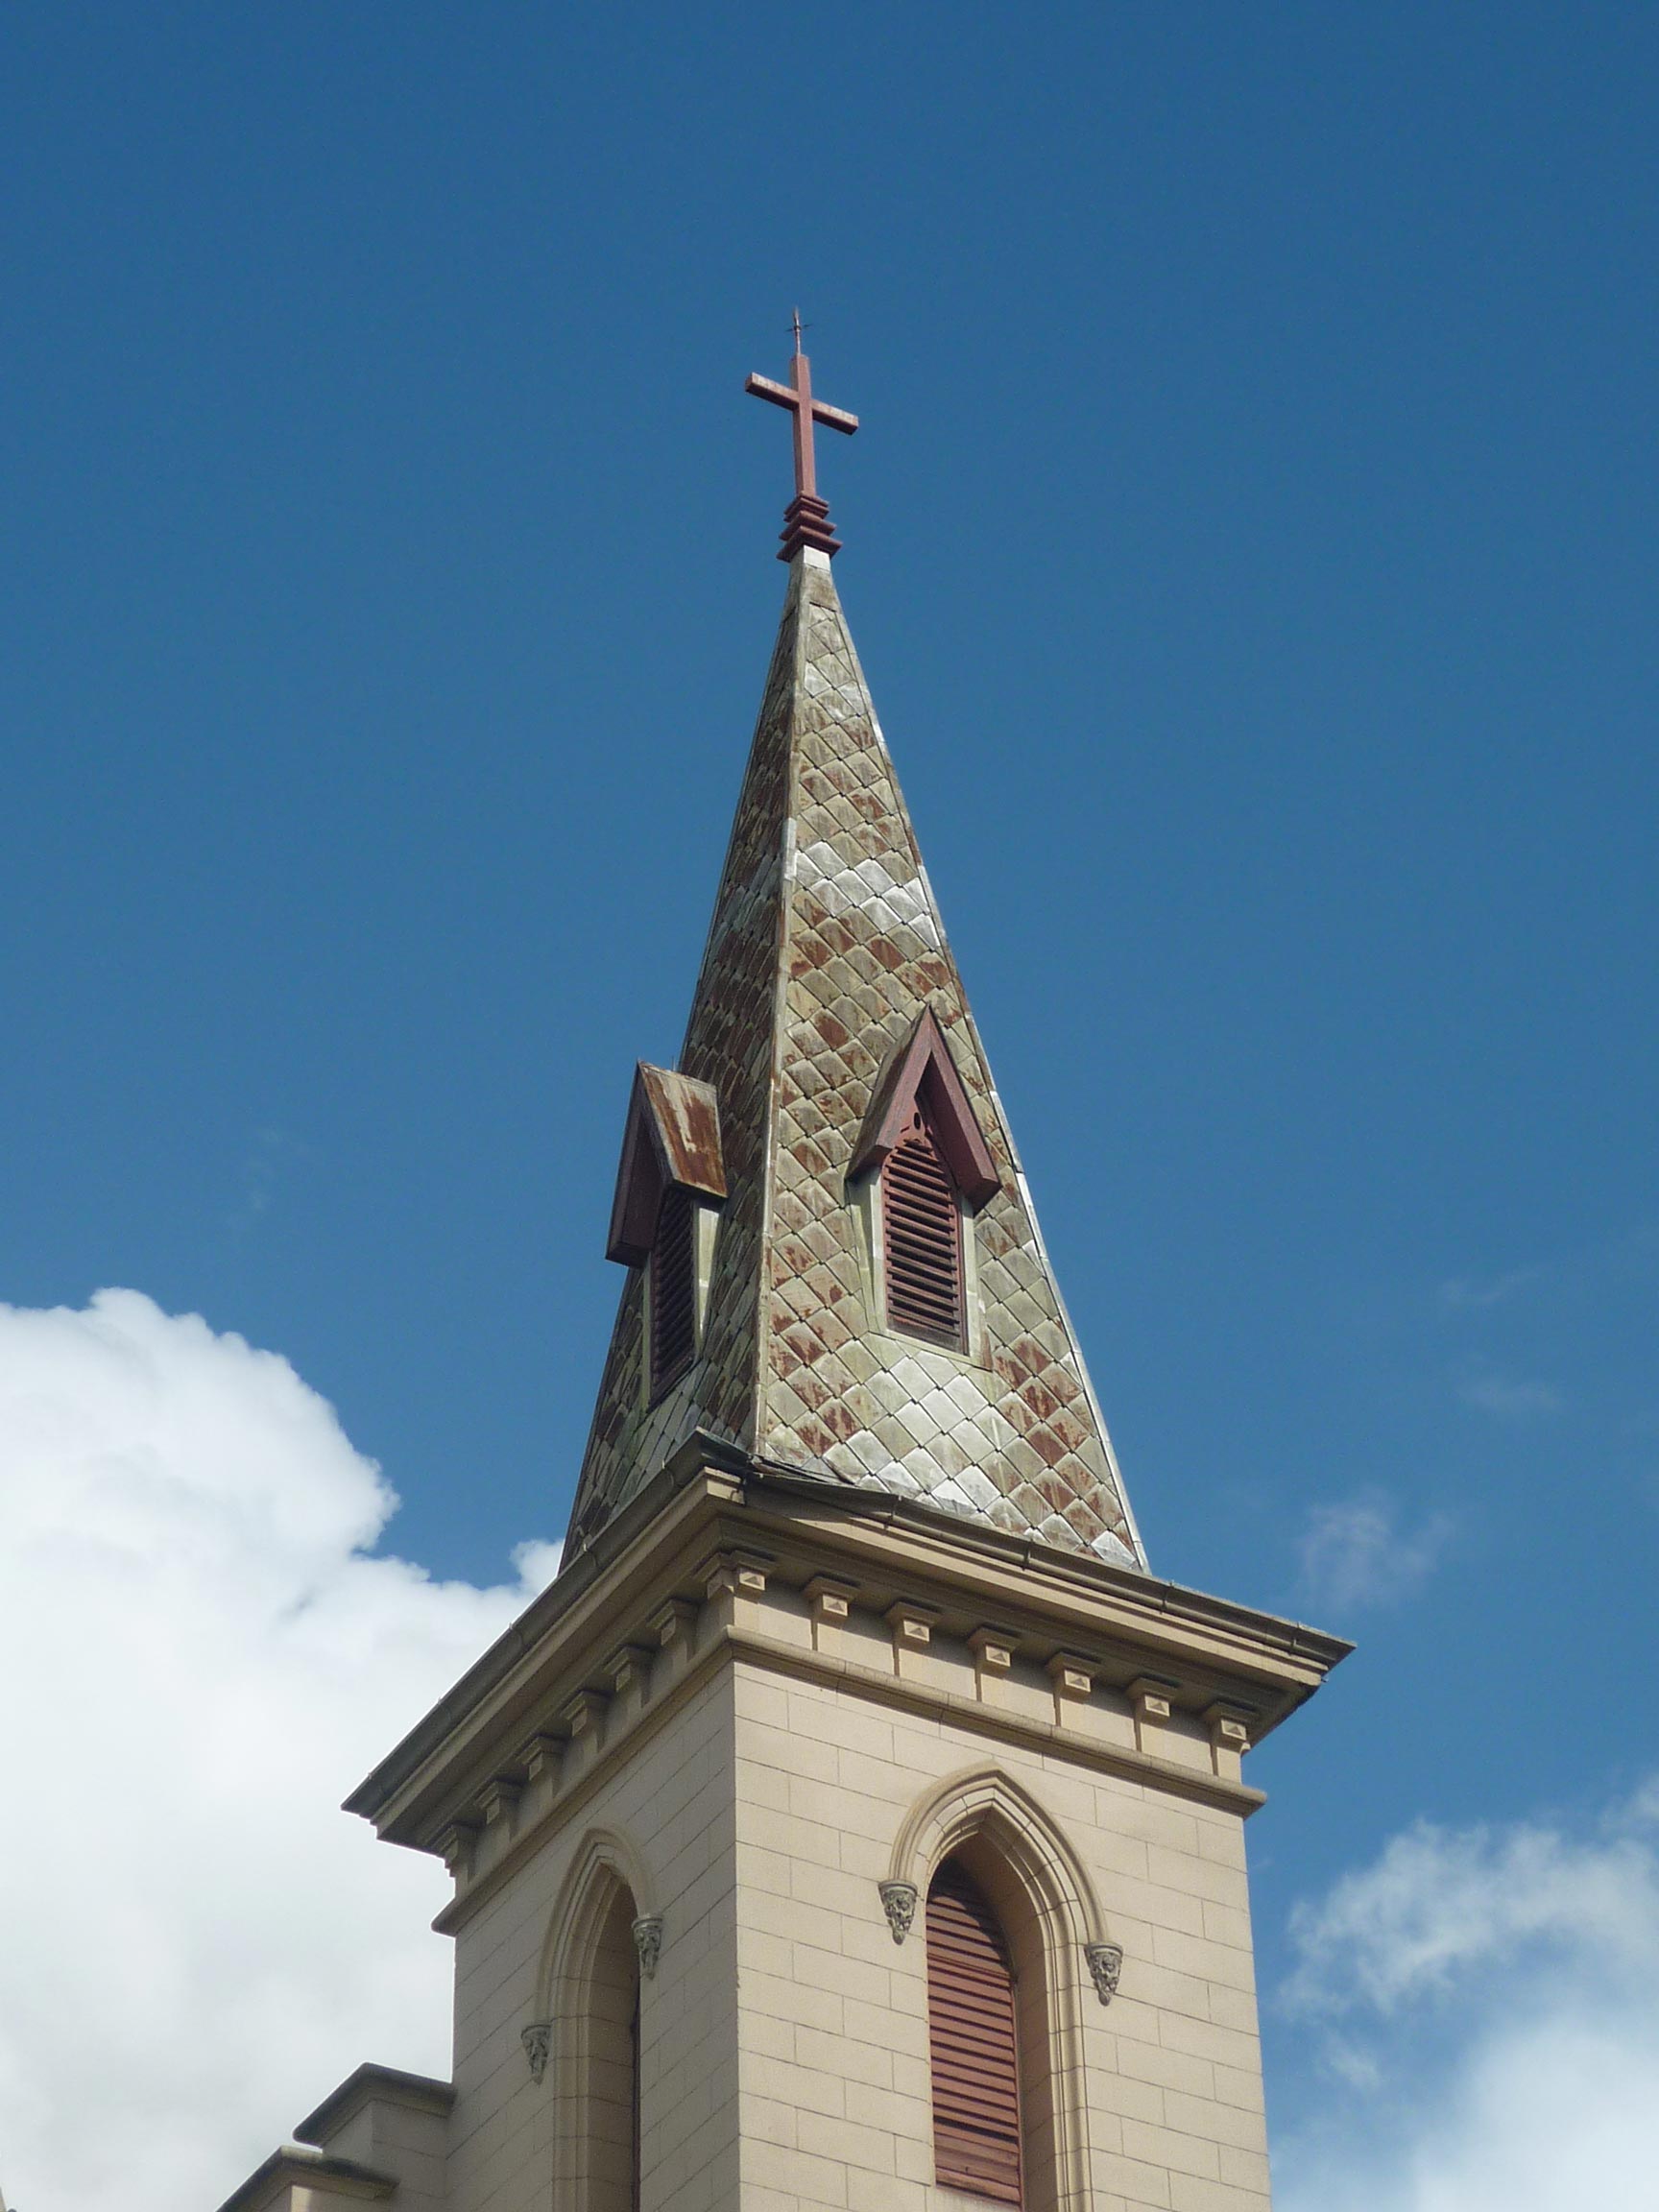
797 396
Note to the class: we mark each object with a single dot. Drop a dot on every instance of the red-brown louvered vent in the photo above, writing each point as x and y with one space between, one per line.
971 2031
673 1289
922 1225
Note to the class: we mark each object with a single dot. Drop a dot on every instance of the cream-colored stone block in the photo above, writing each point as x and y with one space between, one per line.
1227 1924
1197 2193
1212 2122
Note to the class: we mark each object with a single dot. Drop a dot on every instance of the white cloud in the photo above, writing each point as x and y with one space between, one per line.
1488 2001
1355 1552
202 1658
1510 1398
1471 1294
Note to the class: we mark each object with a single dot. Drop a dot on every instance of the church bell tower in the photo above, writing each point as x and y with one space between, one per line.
856 1824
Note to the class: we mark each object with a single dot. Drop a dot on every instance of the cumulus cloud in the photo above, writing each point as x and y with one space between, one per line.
204 1654
1488 2003
1355 1552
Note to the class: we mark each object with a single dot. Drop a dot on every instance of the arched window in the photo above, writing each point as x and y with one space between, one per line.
922 1237
973 2034
609 2114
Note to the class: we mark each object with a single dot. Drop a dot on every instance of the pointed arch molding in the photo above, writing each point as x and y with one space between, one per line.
983 1800
924 1071
606 1860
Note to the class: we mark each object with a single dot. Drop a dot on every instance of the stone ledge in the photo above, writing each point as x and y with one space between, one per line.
296 2168
372 2084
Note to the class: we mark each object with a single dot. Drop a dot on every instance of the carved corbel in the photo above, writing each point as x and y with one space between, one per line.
899 1903
648 1942
1105 1965
538 2042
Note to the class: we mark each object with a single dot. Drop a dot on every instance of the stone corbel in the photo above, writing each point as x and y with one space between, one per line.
993 1648
543 1757
538 2042
1072 1676
1229 1727
457 1844
912 1626
1151 1694
499 1801
628 1669
1105 1965
831 1602
735 1583
648 1943
675 1628
899 1903
584 1714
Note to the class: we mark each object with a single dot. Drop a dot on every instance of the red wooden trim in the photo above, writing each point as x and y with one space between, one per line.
923 1072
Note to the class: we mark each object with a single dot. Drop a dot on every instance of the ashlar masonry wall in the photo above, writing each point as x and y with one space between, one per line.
835 2080
671 1804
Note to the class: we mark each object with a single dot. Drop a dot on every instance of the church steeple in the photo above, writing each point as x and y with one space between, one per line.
828 1003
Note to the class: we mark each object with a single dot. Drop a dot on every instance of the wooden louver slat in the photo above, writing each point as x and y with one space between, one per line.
973 2039
673 1290
922 1230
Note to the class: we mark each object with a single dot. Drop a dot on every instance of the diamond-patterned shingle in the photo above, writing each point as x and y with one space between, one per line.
825 948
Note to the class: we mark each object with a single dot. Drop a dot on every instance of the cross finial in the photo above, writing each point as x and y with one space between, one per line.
806 517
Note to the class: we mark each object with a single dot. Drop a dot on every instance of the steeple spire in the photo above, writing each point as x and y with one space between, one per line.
806 517
832 1043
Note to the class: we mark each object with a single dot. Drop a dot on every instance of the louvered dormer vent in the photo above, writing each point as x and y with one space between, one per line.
673 1289
922 1230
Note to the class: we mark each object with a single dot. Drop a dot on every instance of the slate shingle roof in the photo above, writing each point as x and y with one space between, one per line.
825 948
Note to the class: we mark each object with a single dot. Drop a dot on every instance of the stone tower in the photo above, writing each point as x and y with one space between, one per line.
856 1824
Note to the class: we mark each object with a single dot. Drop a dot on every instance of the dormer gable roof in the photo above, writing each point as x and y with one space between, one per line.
922 1072
671 1138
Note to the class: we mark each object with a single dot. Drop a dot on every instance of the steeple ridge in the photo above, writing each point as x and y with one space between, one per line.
872 1302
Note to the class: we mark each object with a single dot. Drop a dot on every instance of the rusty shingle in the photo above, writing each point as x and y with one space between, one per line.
824 949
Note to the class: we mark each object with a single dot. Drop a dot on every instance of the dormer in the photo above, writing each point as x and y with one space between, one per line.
921 1168
670 1184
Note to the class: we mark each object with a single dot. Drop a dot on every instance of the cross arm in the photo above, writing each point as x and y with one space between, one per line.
785 395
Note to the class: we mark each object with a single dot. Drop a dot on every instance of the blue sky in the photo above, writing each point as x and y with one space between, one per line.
1250 545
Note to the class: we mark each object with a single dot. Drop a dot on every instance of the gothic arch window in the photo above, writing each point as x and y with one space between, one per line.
589 1989
973 2039
979 1834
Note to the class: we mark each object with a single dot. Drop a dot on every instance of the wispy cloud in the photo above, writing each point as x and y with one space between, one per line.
268 1153
1510 1398
1473 1293
1356 1551
1487 2002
